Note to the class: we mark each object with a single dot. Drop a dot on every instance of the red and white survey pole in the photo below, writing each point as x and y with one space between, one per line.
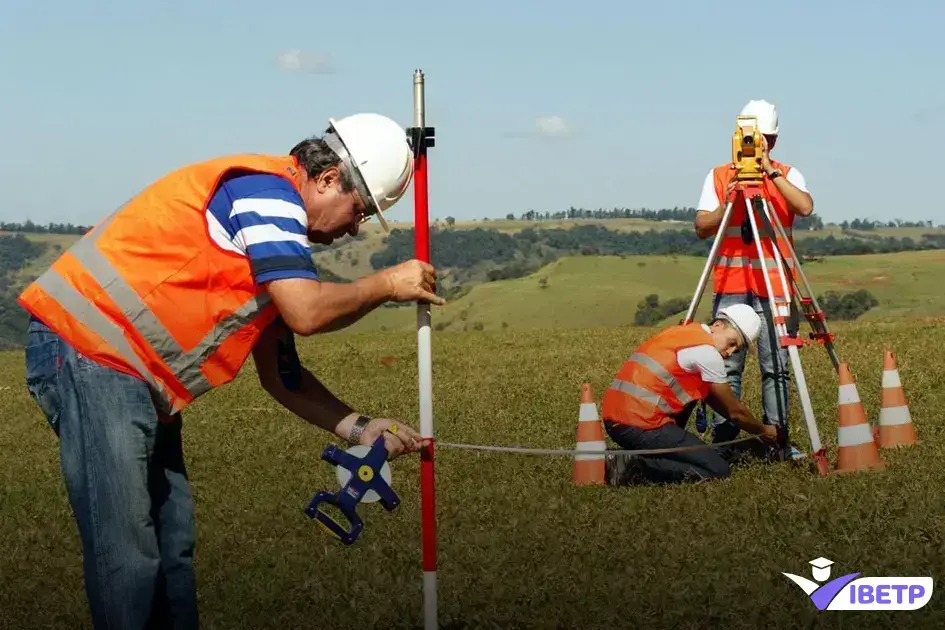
422 138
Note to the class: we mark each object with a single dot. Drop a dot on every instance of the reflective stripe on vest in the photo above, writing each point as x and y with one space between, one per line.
734 252
113 311
184 365
766 231
648 397
754 263
659 372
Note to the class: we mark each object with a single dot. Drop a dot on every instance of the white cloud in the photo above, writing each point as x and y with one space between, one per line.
304 62
545 127
552 126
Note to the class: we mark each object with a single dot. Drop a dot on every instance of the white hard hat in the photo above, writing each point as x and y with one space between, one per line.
745 320
766 114
376 151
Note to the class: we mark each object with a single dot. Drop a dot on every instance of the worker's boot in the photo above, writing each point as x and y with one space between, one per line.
622 470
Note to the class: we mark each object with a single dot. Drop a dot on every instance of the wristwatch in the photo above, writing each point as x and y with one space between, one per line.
774 174
354 437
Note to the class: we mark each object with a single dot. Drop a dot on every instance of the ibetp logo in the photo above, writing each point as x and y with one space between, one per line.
850 592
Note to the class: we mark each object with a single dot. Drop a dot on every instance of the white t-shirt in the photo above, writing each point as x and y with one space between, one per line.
705 359
710 201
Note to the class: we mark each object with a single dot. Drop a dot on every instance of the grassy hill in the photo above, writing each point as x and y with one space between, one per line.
604 291
520 546
350 258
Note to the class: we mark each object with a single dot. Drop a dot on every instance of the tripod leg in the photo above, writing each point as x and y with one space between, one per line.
780 312
709 263
823 333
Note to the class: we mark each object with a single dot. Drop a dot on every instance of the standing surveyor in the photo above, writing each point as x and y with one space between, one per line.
163 301
738 277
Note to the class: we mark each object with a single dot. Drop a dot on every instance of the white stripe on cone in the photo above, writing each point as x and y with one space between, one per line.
894 416
588 412
854 436
891 379
848 394
599 445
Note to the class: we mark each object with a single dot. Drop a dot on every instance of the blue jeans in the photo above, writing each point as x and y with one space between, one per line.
773 361
694 465
125 478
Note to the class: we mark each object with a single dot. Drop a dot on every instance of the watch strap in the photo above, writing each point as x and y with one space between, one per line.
354 436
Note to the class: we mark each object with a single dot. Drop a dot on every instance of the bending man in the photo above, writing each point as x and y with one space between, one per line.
649 403
163 301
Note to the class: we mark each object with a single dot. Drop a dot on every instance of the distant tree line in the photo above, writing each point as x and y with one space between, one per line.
686 215
48 228
661 214
869 224
532 247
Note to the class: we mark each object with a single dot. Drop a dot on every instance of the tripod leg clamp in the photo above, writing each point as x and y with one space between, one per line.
365 476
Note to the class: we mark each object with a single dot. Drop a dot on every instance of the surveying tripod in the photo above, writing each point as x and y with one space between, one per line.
749 185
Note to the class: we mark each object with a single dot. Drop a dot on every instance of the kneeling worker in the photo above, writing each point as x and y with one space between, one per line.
649 403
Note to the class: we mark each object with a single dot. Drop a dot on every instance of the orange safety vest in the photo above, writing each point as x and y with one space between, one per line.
651 387
738 269
149 293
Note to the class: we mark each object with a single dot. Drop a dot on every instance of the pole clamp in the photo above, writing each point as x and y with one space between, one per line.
421 138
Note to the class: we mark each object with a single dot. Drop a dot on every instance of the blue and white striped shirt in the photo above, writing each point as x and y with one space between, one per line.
262 217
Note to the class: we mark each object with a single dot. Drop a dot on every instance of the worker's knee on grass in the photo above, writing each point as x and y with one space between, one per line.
725 431
718 469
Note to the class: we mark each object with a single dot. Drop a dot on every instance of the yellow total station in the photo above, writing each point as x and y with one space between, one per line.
746 149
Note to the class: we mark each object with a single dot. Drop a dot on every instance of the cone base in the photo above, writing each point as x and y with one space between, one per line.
853 467
896 436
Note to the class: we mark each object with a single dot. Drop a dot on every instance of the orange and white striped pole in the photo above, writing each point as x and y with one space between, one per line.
856 446
589 469
895 421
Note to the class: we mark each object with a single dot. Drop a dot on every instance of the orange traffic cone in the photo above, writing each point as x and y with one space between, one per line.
857 448
589 469
895 421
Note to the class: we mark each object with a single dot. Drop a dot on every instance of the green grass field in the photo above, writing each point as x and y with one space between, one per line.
520 546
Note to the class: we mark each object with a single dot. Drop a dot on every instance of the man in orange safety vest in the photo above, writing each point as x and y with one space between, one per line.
164 300
652 396
739 278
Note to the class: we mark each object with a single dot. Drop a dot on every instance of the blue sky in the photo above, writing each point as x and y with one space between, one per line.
99 98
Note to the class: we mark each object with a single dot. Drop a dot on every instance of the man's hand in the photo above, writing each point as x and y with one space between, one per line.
398 438
770 433
765 158
413 281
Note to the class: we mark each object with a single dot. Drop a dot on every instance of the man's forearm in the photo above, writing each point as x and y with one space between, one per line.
741 416
309 307
707 222
799 202
722 400
314 403
344 304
